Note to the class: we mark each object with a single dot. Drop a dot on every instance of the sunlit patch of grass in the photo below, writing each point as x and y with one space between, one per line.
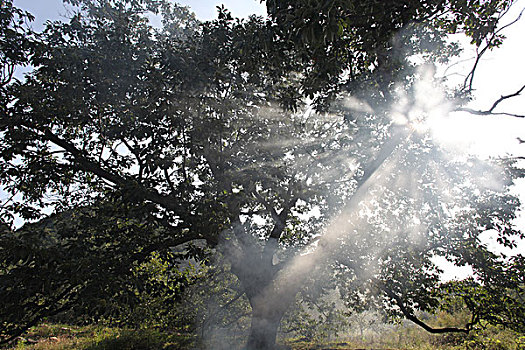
139 339
55 337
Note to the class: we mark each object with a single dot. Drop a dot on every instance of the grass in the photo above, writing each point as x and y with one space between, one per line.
62 337
410 337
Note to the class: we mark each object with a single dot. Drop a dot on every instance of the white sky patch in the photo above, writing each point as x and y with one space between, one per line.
207 9
489 239
451 271
498 74
484 136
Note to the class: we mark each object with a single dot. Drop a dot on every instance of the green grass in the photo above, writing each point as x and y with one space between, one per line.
62 337
410 337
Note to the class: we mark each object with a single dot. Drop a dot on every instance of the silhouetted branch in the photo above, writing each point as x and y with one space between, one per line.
478 112
410 316
502 98
252 212
399 302
268 206
469 79
168 180
490 111
511 23
84 163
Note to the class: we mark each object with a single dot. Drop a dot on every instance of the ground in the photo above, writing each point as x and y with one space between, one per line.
62 337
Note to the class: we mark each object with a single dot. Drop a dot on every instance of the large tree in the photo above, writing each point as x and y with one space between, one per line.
193 136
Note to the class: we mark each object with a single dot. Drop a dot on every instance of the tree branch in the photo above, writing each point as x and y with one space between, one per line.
136 153
469 79
406 312
269 208
84 163
279 218
168 180
511 23
502 98
490 111
43 312
410 316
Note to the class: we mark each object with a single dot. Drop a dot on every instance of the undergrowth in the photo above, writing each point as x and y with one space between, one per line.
65 337
62 337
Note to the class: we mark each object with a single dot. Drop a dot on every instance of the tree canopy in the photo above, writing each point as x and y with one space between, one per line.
288 144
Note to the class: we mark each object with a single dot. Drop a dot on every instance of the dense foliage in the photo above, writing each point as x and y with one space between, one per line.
196 142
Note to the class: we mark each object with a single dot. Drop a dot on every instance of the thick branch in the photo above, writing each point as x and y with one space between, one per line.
144 253
84 162
269 208
399 133
278 218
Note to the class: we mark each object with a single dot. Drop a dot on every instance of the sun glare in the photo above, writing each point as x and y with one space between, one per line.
484 136
428 110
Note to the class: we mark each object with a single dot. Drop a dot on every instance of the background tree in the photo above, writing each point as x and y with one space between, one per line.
146 140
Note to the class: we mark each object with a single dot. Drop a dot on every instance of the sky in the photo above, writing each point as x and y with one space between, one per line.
500 72
204 9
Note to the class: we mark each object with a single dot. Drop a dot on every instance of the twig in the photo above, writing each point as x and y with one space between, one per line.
467 84
502 98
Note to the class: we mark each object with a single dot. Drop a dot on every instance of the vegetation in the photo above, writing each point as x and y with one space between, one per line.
246 176
56 336
381 336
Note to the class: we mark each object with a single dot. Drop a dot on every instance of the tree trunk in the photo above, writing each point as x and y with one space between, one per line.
263 331
269 296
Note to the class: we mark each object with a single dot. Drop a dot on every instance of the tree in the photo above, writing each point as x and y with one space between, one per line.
15 40
142 140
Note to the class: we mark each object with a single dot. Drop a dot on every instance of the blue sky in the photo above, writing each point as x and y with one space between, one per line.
204 9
